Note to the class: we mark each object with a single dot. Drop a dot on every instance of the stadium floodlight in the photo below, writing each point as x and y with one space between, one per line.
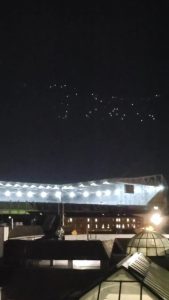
58 194
30 194
7 193
71 194
86 194
98 193
19 194
43 194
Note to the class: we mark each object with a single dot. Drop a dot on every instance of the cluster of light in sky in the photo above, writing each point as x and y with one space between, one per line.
90 105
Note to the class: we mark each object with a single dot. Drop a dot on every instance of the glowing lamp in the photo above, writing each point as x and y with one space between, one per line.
71 194
30 194
7 193
156 219
43 194
86 194
58 194
19 194
98 193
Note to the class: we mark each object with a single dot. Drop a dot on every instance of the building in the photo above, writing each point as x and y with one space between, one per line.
110 205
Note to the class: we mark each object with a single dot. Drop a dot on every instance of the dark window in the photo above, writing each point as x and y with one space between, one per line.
129 188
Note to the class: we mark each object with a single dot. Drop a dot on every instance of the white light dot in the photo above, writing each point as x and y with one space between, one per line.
58 194
156 219
43 194
7 193
19 194
30 194
86 194
71 194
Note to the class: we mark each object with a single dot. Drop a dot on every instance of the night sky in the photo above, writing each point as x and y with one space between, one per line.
84 90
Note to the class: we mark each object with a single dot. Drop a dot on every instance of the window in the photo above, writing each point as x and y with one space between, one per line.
118 220
129 188
134 220
118 226
128 220
123 226
103 226
88 220
70 220
96 226
96 220
88 225
108 226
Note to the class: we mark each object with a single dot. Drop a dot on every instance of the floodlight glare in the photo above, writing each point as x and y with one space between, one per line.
107 192
19 194
30 194
58 194
7 193
160 187
98 193
156 219
86 194
43 194
71 194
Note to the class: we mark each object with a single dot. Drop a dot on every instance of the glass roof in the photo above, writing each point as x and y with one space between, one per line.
148 243
100 192
136 277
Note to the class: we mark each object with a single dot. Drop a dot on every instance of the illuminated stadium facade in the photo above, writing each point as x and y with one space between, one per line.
84 204
101 192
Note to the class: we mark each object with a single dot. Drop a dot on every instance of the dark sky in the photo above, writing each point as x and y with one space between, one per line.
84 90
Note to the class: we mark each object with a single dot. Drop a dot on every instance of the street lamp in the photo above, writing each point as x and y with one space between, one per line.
156 219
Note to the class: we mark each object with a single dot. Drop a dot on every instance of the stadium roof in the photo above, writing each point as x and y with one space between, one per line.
100 192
